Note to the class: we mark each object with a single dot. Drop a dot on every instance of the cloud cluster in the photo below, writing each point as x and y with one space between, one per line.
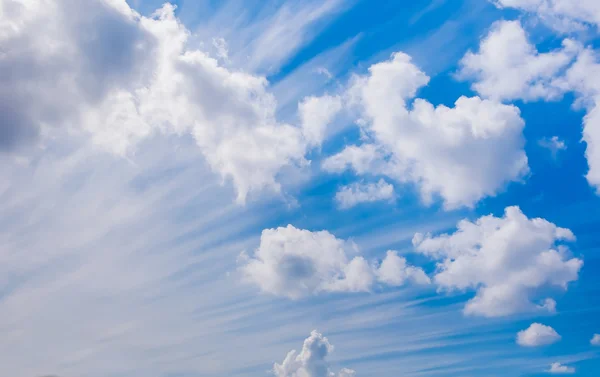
537 335
460 154
361 192
296 263
311 361
562 15
100 69
508 67
506 260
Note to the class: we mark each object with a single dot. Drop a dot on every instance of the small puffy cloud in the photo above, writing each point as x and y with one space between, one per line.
295 263
595 340
395 271
558 368
553 144
311 361
507 67
460 154
537 335
507 261
316 113
562 15
356 193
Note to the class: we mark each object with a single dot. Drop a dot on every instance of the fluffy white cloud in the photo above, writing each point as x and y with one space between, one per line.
395 271
315 114
562 15
311 361
296 263
460 154
595 340
583 77
558 368
360 192
100 68
506 260
508 67
537 335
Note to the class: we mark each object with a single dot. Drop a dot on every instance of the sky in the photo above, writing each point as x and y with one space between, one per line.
332 188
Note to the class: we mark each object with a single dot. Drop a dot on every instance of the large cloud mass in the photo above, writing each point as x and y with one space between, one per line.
461 154
98 68
506 260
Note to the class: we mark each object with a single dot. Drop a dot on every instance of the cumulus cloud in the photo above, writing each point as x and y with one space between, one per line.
395 271
558 368
506 260
508 67
311 361
100 69
295 263
595 340
537 335
562 15
316 113
460 154
360 192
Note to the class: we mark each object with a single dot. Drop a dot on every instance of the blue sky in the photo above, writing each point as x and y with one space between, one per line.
391 188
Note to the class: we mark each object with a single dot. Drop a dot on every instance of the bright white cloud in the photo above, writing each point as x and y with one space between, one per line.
583 77
595 340
395 271
506 260
67 71
562 15
311 361
537 335
507 67
558 368
360 192
461 154
296 263
316 113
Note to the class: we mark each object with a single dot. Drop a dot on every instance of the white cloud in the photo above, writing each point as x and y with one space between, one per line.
558 368
360 192
562 15
296 263
537 335
508 67
506 260
67 72
316 113
461 154
311 361
583 77
595 340
395 271
553 144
